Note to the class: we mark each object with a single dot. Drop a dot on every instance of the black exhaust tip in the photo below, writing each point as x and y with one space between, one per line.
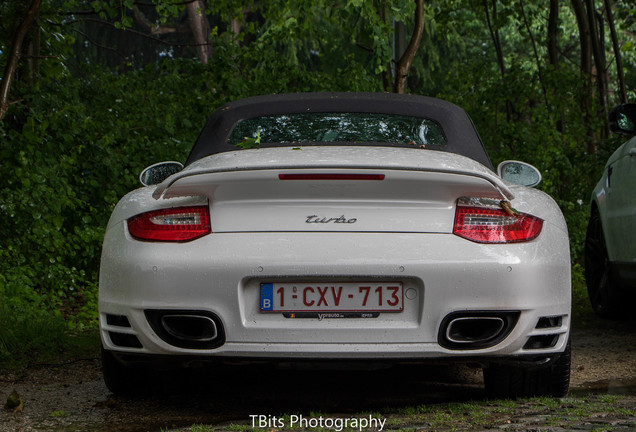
187 328
190 327
473 329
469 330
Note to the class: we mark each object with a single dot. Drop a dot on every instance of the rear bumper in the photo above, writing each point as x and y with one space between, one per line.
220 275
167 362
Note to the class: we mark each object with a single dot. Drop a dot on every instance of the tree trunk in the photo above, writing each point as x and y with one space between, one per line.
14 55
617 52
387 75
597 42
494 34
404 63
33 59
553 26
553 53
586 67
536 54
200 28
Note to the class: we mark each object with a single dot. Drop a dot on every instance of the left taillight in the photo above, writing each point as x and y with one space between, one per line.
179 224
493 225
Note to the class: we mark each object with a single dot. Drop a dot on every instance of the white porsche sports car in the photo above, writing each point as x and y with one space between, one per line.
339 226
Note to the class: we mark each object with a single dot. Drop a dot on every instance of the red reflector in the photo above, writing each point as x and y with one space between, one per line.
179 224
331 176
490 225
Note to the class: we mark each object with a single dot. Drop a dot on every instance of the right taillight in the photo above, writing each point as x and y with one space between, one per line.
178 224
494 225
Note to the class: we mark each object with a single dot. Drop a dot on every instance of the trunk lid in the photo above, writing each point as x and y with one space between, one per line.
349 189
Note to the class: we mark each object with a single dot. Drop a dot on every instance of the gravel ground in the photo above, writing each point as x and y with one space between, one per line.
72 396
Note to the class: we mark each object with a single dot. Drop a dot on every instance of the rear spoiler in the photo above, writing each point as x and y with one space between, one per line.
333 158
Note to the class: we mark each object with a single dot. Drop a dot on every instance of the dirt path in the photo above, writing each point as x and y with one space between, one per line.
72 396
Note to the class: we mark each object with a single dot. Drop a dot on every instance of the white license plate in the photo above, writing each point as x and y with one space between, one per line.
332 297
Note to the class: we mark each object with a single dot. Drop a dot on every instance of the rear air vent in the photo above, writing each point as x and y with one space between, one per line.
117 320
124 340
544 341
549 322
541 342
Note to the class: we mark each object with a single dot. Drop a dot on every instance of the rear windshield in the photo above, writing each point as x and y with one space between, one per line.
337 127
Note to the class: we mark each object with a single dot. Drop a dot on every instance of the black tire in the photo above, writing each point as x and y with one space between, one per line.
142 379
119 378
605 298
513 381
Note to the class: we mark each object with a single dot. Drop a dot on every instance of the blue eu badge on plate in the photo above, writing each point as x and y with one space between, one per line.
267 296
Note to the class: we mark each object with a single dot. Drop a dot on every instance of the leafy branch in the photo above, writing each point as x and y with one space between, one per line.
15 52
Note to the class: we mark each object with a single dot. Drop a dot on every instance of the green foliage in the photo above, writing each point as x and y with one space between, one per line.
532 112
28 334
80 148
249 142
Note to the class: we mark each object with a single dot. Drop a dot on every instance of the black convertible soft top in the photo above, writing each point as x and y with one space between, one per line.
460 133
